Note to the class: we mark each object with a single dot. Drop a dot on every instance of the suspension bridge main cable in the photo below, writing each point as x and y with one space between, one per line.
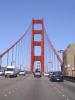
58 57
7 50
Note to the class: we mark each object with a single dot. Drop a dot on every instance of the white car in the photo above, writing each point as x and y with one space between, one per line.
46 74
22 73
37 74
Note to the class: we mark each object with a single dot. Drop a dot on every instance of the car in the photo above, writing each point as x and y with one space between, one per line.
50 74
22 73
46 74
10 72
37 74
1 73
57 76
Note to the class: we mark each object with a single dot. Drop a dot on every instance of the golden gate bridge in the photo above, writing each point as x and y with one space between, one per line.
23 50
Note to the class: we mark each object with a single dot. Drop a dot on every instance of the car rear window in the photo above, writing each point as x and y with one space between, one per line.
57 73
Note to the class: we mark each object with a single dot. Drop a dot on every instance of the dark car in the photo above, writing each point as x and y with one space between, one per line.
1 73
37 74
56 76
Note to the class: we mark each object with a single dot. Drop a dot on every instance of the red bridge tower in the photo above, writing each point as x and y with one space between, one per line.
37 43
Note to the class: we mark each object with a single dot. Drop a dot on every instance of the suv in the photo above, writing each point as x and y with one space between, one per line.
56 76
37 74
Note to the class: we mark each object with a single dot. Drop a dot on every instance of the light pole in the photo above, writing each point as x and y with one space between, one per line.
12 62
72 71
51 69
61 51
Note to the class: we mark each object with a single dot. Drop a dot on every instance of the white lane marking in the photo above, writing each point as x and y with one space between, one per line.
70 83
68 99
60 92
9 92
5 95
63 95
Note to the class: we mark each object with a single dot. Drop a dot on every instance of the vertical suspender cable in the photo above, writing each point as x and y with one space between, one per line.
58 64
12 57
7 58
50 54
52 61
0 62
16 56
57 67
22 52
20 55
55 62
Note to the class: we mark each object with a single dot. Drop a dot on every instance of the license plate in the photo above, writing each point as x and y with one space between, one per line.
57 79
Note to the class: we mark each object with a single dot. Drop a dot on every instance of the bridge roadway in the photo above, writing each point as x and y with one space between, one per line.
30 88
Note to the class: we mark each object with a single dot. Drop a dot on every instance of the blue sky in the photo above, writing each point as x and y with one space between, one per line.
59 19
58 15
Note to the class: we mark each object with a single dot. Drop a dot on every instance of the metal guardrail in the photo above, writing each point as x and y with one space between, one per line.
69 78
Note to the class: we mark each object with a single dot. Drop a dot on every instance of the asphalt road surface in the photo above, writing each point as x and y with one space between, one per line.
30 88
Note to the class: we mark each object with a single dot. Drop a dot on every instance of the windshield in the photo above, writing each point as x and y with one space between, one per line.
10 69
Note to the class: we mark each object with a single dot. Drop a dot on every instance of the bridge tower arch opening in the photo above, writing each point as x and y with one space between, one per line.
37 65
40 42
